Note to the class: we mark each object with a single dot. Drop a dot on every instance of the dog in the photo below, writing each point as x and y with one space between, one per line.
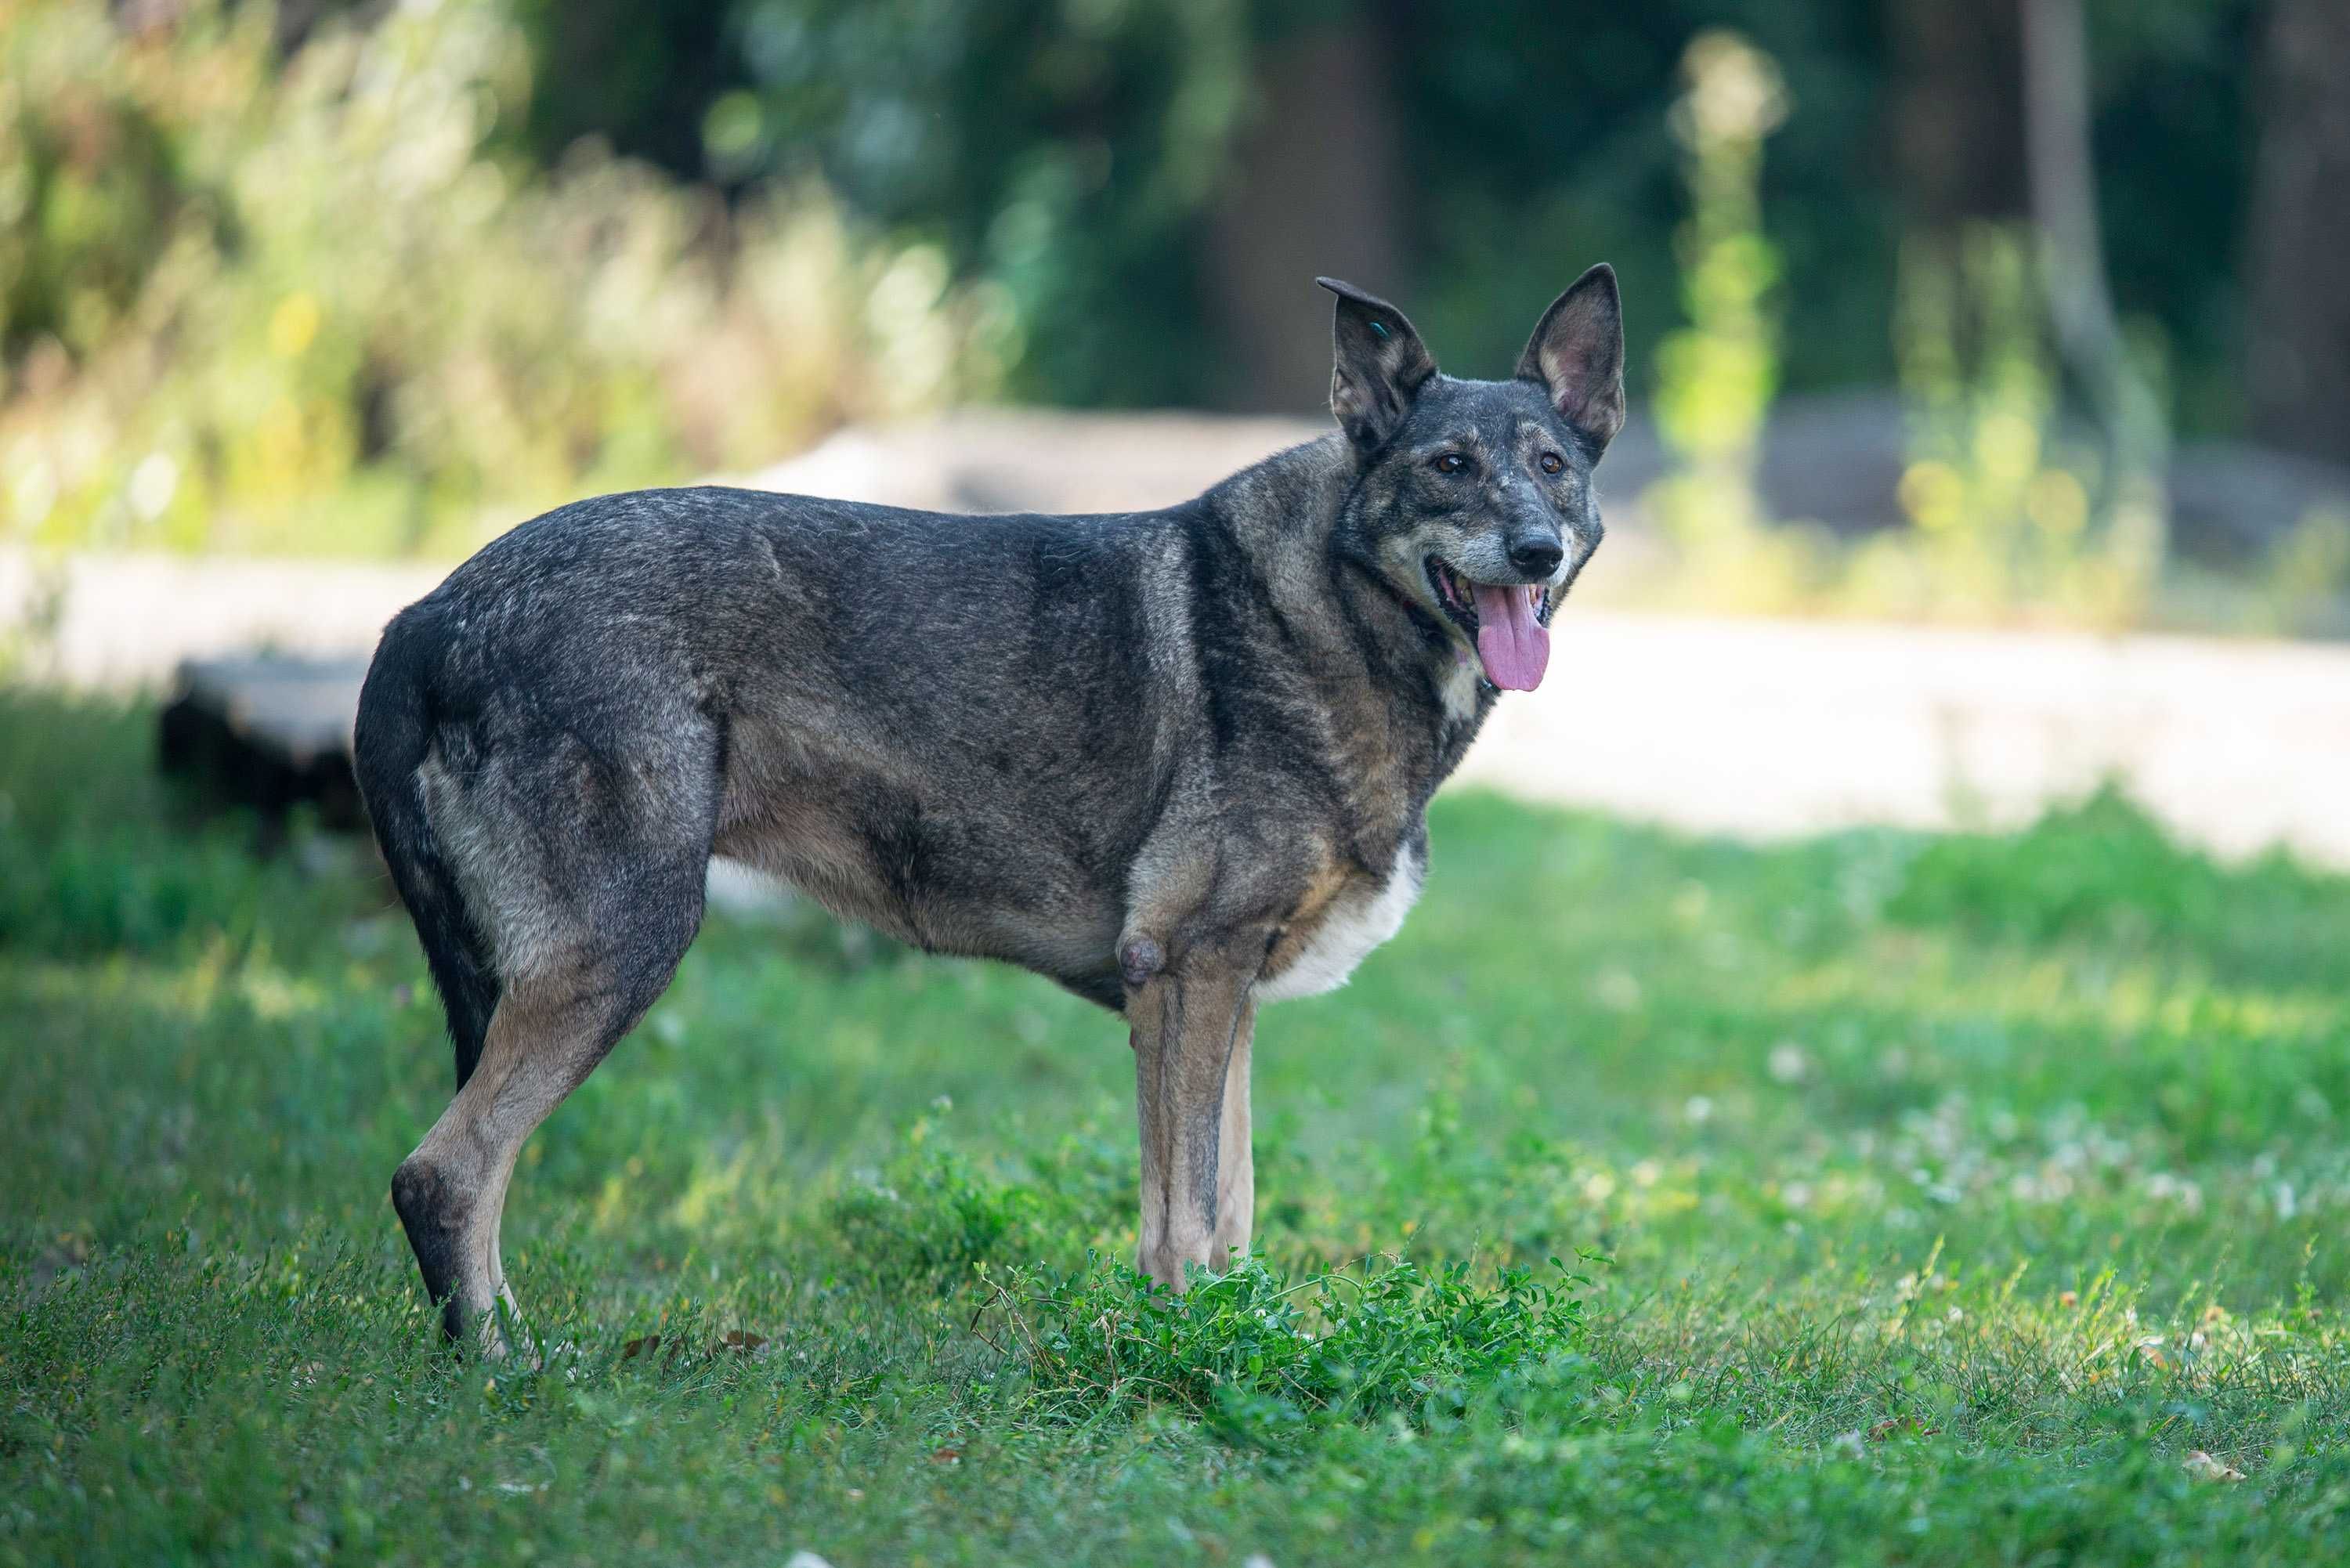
1177 762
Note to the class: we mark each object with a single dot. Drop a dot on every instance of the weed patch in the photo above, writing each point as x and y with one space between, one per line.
1262 1358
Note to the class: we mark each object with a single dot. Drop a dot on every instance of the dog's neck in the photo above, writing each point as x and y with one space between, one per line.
1416 702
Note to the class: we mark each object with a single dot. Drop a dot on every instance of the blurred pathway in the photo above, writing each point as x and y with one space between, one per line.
1765 729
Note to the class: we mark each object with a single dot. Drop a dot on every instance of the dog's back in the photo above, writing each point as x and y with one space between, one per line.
942 726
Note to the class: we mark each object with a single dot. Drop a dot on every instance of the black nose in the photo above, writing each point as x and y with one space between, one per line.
1536 554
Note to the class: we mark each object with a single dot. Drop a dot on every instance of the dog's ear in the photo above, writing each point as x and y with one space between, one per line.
1378 364
1577 355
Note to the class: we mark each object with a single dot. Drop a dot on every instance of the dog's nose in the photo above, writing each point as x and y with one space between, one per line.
1536 554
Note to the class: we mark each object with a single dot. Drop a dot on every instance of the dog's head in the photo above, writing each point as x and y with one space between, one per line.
1473 498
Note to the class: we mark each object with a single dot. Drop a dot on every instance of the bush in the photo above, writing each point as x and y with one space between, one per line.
312 303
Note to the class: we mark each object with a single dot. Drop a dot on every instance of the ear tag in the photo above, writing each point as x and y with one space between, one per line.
1380 328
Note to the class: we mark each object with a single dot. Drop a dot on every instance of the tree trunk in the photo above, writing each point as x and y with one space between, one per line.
2298 307
1311 195
2063 183
1958 131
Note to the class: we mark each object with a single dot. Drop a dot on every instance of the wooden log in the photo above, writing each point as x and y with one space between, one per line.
268 733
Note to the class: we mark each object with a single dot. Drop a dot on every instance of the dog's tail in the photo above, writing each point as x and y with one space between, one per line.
394 734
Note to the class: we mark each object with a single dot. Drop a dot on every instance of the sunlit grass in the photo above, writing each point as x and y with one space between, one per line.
1951 1194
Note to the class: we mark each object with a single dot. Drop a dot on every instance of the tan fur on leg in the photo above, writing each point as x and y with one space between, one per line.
1186 1025
1235 1157
546 1037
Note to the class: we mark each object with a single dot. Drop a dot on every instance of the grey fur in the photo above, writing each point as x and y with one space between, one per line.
1175 760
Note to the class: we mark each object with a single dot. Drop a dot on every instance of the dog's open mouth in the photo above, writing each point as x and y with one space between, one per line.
1509 622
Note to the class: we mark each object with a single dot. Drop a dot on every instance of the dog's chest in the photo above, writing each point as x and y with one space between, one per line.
1359 917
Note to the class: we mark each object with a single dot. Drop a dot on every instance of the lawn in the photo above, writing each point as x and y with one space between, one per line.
1879 1198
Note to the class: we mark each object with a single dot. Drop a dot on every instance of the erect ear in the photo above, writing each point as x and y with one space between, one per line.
1577 355
1378 364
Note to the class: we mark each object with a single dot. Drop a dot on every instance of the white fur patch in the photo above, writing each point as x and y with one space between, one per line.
1349 931
1460 690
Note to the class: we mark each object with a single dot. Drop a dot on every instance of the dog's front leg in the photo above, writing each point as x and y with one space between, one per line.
1191 1026
1235 1155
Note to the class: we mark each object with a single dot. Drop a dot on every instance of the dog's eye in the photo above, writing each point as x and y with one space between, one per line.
1552 463
1449 462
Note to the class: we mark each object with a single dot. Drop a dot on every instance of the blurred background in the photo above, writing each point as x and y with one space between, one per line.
1983 308
2013 315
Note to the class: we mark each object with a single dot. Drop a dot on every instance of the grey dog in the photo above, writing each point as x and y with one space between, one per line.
1177 762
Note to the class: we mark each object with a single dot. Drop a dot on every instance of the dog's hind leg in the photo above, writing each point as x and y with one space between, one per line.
546 1037
589 902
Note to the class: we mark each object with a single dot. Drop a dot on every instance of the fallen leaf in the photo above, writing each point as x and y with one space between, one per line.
642 1346
947 1457
2204 1468
1906 1426
741 1342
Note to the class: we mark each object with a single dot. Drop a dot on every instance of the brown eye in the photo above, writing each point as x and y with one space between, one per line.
1449 462
1552 463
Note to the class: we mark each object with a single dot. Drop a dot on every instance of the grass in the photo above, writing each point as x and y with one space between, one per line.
1934 1201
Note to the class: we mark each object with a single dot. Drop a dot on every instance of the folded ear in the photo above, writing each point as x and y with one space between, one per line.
1379 365
1576 354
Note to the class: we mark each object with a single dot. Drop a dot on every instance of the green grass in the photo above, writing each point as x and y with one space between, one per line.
1934 1201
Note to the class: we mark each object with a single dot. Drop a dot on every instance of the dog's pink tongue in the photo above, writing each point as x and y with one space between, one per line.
1514 646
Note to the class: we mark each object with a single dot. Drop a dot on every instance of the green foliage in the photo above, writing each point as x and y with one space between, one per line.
2102 871
2308 572
1062 154
1717 376
343 320
90 186
1262 1359
932 1215
1072 155
2002 505
2099 870
82 872
1070 151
